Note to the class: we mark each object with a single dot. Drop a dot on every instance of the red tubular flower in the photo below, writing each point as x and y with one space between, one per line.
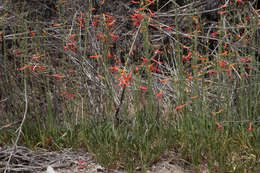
72 37
158 62
212 71
128 77
80 162
95 23
158 51
71 71
137 18
222 63
221 12
58 76
143 88
165 80
245 60
227 70
108 16
154 69
240 2
81 167
214 34
250 127
48 140
134 2
169 28
115 37
186 58
145 60
240 36
189 77
16 51
102 37
203 59
136 68
141 9
194 97
180 107
224 53
151 13
95 56
256 11
41 67
81 24
109 22
125 79
123 83
32 33
219 126
159 94
23 68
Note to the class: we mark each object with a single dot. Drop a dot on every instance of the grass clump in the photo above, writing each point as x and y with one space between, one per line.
130 87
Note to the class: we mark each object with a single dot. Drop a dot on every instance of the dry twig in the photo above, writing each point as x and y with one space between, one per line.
23 159
19 129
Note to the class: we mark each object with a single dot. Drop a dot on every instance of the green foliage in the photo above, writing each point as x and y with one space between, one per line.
130 87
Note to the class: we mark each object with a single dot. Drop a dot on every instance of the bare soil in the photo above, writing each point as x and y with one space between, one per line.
168 164
67 161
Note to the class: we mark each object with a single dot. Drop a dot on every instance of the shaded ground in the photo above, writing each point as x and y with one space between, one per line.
69 161
25 160
169 164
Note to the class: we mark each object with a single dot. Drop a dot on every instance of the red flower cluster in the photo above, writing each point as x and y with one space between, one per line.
137 18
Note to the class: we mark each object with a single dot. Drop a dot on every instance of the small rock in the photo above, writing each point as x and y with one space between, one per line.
138 168
100 169
50 170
